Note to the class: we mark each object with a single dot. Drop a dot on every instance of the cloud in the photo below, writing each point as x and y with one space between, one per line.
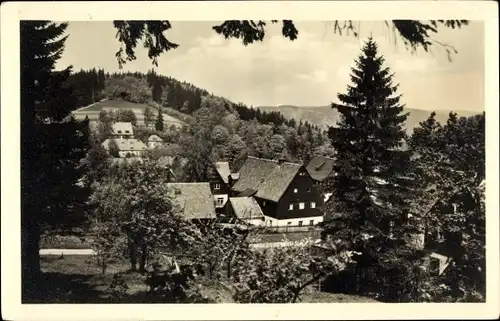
307 71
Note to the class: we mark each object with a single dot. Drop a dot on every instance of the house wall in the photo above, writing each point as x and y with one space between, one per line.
123 153
224 198
293 224
300 190
125 136
256 222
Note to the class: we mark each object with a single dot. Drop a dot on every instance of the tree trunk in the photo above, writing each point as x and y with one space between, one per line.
133 255
30 259
143 259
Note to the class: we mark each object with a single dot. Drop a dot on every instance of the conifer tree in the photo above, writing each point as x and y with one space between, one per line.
159 125
49 188
369 210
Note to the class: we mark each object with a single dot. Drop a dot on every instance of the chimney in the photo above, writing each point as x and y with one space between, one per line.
230 180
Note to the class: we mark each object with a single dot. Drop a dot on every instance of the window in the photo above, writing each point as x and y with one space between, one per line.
289 223
300 223
439 236
434 266
219 201
302 174
295 190
313 205
126 131
308 189
217 186
119 132
290 207
270 223
311 222
131 147
302 206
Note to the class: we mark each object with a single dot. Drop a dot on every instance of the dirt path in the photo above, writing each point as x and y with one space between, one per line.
67 252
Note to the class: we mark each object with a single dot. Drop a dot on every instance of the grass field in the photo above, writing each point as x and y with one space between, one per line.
78 279
93 110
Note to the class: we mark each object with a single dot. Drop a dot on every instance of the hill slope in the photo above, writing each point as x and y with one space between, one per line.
326 116
92 111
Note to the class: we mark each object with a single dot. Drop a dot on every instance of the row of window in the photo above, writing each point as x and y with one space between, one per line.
311 223
302 206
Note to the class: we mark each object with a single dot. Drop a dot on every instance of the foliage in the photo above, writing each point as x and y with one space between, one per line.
451 170
128 87
151 222
125 115
113 148
415 34
42 44
96 163
88 86
370 187
280 275
148 115
159 125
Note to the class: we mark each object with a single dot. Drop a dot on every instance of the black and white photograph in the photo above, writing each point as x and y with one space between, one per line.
213 161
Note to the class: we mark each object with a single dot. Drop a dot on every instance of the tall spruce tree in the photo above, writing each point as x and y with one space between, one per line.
159 125
368 212
50 153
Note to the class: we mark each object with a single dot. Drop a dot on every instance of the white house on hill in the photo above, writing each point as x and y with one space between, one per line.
122 130
154 141
127 147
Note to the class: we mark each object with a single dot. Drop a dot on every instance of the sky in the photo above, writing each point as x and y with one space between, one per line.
309 71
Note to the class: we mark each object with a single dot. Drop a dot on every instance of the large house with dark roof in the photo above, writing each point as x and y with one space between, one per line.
285 192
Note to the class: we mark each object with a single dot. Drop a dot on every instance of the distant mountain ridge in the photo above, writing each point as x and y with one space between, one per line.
324 116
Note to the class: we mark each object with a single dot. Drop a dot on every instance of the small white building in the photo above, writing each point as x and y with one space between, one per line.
154 141
122 130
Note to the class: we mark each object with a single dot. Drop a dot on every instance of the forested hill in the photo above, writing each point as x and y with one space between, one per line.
92 85
324 116
220 129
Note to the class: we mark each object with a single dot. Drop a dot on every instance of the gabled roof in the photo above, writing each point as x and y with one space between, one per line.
246 208
122 128
275 185
253 172
223 169
320 167
268 177
155 138
194 200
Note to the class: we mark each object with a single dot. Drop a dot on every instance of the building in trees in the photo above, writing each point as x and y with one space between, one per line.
122 130
126 147
285 192
154 141
194 201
